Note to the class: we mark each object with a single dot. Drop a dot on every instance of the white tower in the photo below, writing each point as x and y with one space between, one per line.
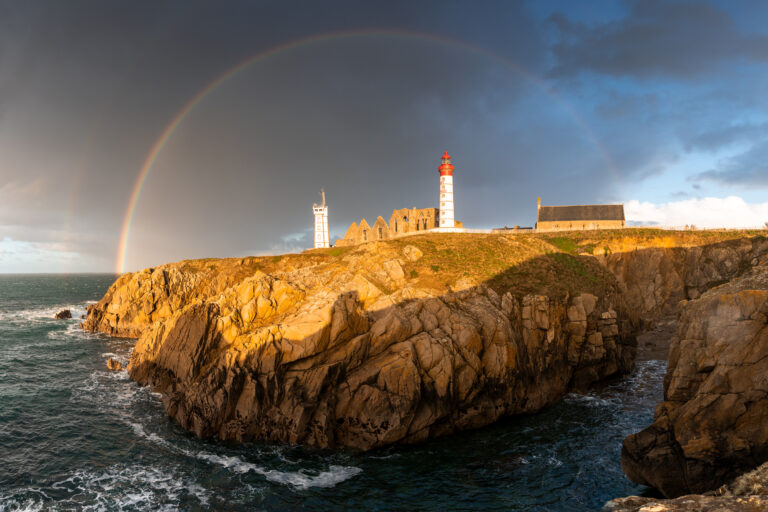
446 192
322 239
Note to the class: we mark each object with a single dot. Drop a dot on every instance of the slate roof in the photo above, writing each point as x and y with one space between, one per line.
581 212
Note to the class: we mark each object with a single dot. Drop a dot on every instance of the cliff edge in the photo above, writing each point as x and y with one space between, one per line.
408 339
391 342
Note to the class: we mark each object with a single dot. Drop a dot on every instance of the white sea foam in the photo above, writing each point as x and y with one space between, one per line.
72 330
302 479
131 487
13 503
590 400
44 313
138 429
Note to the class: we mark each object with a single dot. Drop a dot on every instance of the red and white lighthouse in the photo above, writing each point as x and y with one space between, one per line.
446 192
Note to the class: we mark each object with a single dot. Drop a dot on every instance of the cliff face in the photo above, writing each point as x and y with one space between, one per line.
654 280
713 423
399 341
359 351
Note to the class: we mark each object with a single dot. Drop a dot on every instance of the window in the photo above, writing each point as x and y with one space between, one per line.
424 223
365 235
395 225
381 233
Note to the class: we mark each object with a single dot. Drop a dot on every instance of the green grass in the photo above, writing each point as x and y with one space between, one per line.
564 244
339 251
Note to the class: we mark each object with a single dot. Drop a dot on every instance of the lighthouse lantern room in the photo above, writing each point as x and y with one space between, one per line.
446 192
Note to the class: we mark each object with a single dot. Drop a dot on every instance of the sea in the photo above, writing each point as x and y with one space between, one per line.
75 436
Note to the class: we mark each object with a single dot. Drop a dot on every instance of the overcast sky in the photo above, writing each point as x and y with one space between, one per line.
660 105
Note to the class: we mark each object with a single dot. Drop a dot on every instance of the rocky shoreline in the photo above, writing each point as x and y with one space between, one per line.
324 357
369 347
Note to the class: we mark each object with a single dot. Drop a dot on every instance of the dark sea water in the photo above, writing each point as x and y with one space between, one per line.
74 436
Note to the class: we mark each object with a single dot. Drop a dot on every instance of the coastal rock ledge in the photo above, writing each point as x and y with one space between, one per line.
367 347
713 423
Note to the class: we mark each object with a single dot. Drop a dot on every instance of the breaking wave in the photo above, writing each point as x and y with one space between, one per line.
301 479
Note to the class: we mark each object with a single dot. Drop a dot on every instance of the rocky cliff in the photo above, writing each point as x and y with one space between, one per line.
399 341
655 278
713 423
386 343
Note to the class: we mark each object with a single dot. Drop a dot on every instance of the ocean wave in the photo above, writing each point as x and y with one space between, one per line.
72 330
113 390
302 479
23 500
43 313
130 487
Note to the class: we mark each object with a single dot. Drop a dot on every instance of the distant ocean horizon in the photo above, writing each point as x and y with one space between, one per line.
75 436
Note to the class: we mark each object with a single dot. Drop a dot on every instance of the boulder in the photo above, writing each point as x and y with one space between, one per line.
412 253
63 314
114 365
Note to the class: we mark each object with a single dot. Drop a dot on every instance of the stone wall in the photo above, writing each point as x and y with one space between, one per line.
578 225
407 220
401 222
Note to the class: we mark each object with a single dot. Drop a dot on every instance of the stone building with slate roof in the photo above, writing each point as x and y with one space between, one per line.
579 217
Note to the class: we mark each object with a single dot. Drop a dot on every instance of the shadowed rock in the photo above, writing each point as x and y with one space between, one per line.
713 423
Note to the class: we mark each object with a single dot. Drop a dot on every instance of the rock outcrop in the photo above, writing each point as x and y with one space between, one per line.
114 365
64 314
654 280
713 423
358 351
399 341
746 493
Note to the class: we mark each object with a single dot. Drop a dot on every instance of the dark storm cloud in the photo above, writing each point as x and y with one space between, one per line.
726 136
650 42
88 86
747 169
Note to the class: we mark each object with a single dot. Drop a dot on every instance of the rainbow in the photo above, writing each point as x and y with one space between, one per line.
169 130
